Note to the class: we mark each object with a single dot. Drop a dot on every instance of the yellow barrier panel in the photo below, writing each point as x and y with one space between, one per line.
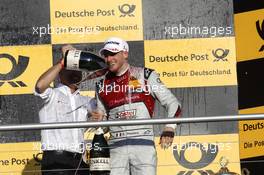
201 153
85 21
20 158
193 62
23 66
249 35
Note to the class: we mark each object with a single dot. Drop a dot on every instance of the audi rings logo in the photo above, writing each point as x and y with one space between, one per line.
260 29
16 70
208 154
127 10
220 54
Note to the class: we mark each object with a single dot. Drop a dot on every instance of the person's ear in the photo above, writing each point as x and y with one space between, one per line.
125 54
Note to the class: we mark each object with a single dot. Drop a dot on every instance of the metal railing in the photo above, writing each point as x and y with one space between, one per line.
130 122
127 123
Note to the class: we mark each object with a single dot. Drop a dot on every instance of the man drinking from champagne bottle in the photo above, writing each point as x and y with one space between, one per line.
63 148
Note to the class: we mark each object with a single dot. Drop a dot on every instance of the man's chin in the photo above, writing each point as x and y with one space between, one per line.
113 69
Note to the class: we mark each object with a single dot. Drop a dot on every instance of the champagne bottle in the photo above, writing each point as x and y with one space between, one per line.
99 155
81 60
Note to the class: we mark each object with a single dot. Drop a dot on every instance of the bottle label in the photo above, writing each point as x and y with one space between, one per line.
100 164
73 58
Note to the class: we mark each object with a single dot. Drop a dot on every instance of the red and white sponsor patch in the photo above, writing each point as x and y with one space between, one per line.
126 114
113 49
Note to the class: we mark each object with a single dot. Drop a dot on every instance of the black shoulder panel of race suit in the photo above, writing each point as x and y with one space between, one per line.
147 73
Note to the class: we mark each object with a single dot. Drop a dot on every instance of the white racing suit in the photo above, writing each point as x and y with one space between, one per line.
132 96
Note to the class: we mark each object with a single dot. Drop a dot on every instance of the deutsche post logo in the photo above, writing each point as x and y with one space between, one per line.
16 70
38 158
208 156
260 29
220 54
127 10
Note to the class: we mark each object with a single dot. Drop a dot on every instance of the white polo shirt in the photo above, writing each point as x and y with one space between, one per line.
60 105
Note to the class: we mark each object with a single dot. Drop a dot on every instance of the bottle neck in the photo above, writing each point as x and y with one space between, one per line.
99 131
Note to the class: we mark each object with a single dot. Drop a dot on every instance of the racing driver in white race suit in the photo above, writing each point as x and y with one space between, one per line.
128 92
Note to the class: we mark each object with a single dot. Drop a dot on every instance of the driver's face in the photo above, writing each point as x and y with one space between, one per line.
115 61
